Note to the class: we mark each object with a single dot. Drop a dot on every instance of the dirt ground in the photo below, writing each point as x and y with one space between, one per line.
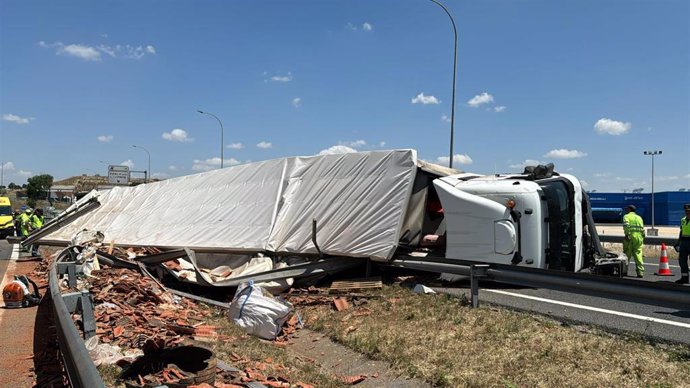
333 358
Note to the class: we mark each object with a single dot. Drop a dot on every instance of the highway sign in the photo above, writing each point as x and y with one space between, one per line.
118 175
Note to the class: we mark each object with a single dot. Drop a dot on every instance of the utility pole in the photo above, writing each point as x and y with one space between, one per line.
653 231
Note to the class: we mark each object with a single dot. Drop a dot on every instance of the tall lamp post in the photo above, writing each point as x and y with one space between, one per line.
221 134
455 65
653 231
148 172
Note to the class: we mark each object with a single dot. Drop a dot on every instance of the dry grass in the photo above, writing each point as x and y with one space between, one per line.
435 338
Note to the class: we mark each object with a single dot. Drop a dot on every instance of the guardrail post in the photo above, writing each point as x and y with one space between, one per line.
70 269
88 319
82 302
476 271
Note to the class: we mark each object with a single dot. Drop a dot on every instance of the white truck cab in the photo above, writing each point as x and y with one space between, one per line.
539 220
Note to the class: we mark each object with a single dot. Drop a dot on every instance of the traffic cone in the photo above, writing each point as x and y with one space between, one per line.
664 269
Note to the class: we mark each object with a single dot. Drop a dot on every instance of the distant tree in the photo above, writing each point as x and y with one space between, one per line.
638 190
12 186
38 186
24 186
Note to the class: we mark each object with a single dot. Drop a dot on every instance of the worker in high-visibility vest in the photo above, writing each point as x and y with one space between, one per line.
683 246
25 222
633 227
37 219
36 224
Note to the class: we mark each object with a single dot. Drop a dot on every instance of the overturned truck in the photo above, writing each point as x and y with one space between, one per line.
302 216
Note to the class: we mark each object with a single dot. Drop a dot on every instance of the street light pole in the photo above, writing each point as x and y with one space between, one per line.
455 65
653 231
222 142
148 172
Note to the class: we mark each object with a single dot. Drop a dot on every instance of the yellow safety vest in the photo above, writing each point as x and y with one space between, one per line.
685 227
632 223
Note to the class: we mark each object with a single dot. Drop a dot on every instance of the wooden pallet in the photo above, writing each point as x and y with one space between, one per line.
356 284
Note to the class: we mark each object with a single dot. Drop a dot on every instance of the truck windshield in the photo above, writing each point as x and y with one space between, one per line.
561 251
5 211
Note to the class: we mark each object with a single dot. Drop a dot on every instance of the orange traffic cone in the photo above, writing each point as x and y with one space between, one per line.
664 269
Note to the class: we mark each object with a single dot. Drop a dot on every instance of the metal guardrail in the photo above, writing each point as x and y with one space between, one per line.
81 371
649 240
657 294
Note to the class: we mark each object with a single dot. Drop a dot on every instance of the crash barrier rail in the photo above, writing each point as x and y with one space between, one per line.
657 294
81 371
649 240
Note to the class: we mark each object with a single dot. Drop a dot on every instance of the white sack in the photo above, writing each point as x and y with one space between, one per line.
257 312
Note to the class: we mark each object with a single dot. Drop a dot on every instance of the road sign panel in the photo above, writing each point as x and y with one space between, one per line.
118 175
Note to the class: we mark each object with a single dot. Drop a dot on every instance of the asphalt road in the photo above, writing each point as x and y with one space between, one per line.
5 252
658 322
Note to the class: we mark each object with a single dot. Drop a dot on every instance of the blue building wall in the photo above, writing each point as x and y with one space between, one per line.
668 206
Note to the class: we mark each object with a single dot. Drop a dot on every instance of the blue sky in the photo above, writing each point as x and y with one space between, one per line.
587 85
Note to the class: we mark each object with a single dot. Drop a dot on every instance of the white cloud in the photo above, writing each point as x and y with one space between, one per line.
528 162
667 178
584 183
480 99
354 144
105 138
212 163
602 175
337 149
235 146
160 175
297 102
94 53
457 159
499 108
445 118
562 153
611 127
8 166
264 145
25 173
425 100
177 134
86 53
129 163
172 167
382 144
16 119
364 27
282 78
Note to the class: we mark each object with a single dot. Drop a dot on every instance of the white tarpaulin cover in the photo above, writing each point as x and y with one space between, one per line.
358 199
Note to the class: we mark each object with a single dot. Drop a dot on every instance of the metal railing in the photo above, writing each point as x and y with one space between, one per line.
649 240
81 371
667 294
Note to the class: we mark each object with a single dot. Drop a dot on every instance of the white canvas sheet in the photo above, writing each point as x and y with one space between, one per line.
358 199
